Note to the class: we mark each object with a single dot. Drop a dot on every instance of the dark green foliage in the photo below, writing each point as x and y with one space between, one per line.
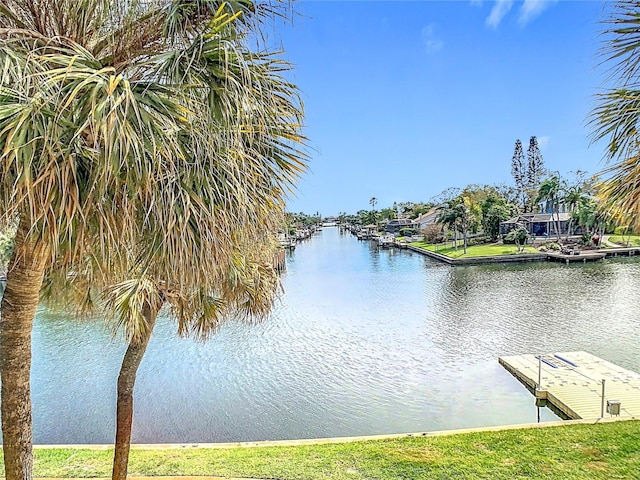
495 209
479 240
585 239
407 231
518 170
387 214
517 236
6 248
535 164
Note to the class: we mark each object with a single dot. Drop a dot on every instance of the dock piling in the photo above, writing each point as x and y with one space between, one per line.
539 372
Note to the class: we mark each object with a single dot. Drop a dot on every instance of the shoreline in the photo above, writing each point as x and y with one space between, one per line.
331 440
591 255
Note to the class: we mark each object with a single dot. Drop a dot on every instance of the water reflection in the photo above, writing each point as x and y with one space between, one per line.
362 342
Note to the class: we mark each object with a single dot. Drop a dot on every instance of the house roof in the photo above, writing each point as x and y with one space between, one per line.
428 217
513 220
401 222
537 218
548 217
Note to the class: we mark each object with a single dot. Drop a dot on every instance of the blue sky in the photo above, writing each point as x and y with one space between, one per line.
406 99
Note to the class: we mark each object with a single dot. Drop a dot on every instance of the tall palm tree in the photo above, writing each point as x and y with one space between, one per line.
462 214
616 117
135 137
449 216
571 198
549 191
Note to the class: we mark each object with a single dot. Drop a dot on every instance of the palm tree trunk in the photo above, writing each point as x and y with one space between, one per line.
19 303
124 404
464 239
556 211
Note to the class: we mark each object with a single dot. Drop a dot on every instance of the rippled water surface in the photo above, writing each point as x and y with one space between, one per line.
362 342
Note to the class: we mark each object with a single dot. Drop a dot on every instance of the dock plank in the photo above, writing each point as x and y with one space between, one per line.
572 382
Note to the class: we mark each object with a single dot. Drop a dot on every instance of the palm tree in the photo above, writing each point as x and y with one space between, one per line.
245 290
448 216
461 214
571 198
616 117
135 136
549 192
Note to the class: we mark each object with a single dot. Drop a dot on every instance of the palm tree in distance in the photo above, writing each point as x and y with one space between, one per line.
461 214
135 137
549 192
615 118
373 202
571 199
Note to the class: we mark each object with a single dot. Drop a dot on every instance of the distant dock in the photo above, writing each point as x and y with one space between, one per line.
583 257
573 383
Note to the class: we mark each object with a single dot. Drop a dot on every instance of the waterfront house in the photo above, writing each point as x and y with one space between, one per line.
394 226
426 219
542 224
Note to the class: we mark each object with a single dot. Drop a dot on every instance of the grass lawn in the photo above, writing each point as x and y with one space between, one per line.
570 452
634 240
487 250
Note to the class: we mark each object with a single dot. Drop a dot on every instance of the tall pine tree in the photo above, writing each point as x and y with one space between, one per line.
518 172
535 164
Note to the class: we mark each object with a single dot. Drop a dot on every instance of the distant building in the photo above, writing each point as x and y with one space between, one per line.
541 224
426 219
394 226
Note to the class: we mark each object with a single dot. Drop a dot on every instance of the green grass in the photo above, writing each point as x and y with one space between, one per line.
570 452
487 250
634 240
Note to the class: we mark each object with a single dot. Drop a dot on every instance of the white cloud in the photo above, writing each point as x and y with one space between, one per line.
533 8
499 10
476 3
431 42
543 141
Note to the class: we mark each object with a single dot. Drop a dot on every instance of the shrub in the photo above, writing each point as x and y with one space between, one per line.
622 230
407 231
517 236
551 246
585 239
432 233
478 240
511 236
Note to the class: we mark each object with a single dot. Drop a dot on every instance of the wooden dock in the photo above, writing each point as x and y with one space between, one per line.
583 257
572 383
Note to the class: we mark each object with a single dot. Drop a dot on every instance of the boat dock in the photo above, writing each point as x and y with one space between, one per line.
583 257
578 384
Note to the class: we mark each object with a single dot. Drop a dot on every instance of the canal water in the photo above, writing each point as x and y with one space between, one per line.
362 342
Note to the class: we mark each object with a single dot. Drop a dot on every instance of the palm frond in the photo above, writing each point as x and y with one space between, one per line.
131 301
143 153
